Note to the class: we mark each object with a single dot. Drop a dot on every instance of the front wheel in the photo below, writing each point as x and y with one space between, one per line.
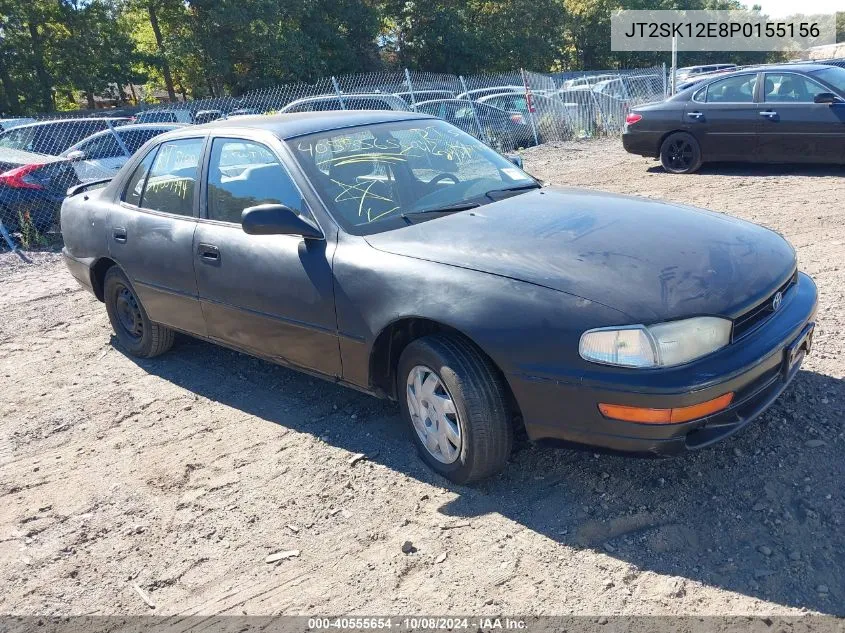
133 328
680 153
453 400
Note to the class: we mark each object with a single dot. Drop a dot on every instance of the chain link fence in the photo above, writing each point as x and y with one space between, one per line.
42 157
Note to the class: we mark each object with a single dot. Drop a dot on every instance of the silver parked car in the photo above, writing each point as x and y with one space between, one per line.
364 101
101 155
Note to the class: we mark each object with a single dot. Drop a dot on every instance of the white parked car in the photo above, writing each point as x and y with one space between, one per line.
321 103
8 124
172 115
102 154
477 93
588 81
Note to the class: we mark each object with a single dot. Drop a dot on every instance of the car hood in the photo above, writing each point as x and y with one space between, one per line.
651 260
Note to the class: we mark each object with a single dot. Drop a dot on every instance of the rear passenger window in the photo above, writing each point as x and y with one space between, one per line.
171 183
739 89
135 186
244 174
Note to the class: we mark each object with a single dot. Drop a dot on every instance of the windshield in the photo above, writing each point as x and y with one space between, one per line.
373 177
834 75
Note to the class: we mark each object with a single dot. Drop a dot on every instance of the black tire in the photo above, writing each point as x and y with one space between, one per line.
680 153
479 395
133 328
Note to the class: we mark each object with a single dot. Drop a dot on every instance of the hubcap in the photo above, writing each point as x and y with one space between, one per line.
433 414
129 313
680 154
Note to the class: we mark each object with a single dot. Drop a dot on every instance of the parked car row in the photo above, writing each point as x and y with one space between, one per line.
40 161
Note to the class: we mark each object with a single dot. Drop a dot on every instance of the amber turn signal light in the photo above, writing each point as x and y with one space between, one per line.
643 415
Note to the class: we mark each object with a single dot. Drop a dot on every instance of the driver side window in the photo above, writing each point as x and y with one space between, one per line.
244 174
791 88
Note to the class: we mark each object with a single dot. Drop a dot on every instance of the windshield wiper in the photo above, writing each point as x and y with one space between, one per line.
533 185
452 208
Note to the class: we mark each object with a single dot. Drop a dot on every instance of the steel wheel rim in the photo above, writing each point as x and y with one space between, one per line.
129 313
433 414
680 154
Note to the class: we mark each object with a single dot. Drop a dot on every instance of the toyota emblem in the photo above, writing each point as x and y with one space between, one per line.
777 301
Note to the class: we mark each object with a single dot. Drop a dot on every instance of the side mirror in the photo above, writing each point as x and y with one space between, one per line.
516 159
277 219
76 156
828 97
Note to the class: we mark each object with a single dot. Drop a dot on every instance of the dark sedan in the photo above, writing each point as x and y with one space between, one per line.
778 114
396 254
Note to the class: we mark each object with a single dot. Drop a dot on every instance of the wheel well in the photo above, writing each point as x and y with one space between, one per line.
665 136
392 340
98 275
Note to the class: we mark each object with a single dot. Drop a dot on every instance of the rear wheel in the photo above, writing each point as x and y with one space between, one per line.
680 153
133 328
454 402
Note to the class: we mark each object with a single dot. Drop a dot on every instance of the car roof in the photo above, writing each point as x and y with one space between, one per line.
169 127
345 95
806 67
486 98
147 126
290 125
423 91
700 81
803 66
463 102
506 89
73 120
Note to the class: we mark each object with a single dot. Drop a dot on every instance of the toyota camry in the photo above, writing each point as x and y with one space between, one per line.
394 253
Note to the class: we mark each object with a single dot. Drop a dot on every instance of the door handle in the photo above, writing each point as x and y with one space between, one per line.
771 114
695 115
209 253
119 235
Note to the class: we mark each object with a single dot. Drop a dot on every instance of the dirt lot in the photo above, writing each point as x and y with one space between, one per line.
181 475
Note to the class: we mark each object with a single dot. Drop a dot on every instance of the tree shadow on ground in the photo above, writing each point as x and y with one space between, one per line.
759 514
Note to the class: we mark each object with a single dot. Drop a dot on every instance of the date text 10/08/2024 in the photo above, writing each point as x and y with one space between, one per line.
483 624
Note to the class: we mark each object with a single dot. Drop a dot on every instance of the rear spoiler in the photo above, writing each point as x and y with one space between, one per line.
87 185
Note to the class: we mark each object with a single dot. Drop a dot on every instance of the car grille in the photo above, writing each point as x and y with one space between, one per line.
759 314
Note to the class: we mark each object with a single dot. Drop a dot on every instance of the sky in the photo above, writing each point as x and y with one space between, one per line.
784 8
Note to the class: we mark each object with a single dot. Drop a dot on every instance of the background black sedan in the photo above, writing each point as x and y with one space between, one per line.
394 253
779 114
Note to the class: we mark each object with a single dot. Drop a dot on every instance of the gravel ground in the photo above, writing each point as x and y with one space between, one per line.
182 475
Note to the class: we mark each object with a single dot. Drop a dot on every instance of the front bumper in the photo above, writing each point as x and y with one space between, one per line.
756 369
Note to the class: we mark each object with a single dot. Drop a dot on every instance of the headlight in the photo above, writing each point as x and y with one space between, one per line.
660 345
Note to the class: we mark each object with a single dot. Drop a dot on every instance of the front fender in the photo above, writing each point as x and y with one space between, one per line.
525 329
